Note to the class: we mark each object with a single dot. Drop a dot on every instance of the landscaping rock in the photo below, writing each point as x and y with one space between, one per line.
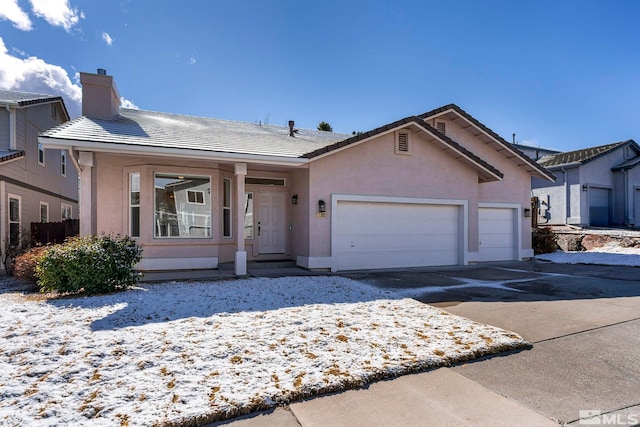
628 242
592 241
570 242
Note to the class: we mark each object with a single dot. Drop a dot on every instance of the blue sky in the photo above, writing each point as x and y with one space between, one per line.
560 74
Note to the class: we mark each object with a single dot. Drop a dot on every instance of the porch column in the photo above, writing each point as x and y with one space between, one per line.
85 160
240 170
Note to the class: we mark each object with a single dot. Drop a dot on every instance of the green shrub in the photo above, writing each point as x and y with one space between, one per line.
544 241
24 265
92 264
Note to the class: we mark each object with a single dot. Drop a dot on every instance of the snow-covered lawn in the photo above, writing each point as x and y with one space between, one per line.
609 254
174 353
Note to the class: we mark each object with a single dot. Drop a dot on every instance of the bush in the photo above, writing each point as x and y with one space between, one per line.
93 264
24 266
544 241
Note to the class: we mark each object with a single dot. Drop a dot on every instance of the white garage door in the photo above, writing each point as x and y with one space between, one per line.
373 235
496 228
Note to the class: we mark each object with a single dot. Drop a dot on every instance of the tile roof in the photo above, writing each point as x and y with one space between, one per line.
164 130
24 99
510 147
582 156
5 156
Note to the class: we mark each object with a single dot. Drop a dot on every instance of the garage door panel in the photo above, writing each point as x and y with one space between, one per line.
496 230
393 235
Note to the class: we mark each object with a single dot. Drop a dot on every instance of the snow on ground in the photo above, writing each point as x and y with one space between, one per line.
609 254
173 353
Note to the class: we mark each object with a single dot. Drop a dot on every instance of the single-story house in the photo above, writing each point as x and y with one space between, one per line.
596 186
435 189
36 184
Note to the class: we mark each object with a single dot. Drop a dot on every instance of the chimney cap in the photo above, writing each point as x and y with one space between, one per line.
102 71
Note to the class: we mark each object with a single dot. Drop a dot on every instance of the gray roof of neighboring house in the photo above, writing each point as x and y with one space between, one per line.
6 155
582 156
165 130
23 99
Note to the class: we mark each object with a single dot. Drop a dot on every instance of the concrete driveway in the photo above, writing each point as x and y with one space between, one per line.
583 322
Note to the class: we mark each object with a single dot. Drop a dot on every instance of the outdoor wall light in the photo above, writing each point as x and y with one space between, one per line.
294 199
527 213
322 206
585 187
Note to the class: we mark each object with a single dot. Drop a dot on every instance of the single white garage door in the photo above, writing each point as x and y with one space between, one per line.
373 235
496 228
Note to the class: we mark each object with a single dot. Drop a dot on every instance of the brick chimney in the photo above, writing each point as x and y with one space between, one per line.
100 96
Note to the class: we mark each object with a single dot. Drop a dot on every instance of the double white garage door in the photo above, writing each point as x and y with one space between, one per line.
370 235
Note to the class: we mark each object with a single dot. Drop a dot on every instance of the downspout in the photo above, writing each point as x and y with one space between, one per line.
625 197
12 127
74 159
567 196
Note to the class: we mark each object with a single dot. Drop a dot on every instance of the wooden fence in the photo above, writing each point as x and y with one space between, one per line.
54 232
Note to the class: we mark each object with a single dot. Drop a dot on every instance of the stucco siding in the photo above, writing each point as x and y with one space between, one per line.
373 168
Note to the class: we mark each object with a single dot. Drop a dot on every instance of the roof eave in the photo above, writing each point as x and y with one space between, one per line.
144 150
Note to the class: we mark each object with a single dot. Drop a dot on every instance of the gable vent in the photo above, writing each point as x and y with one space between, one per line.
441 127
402 143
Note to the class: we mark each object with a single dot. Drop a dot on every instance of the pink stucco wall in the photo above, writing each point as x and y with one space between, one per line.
373 168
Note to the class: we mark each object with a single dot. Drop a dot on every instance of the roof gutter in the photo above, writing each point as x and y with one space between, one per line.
67 144
12 127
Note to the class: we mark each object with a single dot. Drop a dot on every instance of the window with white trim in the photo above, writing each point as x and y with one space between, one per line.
402 142
174 215
248 215
40 155
66 211
63 163
44 212
14 220
226 208
195 197
134 204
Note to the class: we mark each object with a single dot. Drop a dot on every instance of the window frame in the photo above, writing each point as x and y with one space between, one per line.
63 163
157 230
63 209
41 157
46 206
133 206
227 211
11 221
249 225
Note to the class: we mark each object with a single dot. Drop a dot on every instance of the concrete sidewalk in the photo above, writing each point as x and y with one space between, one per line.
583 324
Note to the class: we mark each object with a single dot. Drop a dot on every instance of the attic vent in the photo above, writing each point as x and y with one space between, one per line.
442 127
402 142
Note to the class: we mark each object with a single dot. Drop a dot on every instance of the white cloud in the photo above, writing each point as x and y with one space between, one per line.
125 103
192 60
33 74
57 12
10 11
107 38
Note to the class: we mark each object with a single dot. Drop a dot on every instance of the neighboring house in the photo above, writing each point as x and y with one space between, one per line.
436 189
535 153
596 186
36 185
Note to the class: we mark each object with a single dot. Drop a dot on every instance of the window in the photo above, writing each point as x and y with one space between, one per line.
63 163
175 215
40 155
441 127
14 220
248 215
134 204
196 197
402 142
66 211
226 208
44 212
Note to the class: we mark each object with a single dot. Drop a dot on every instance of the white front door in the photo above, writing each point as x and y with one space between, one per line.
271 222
